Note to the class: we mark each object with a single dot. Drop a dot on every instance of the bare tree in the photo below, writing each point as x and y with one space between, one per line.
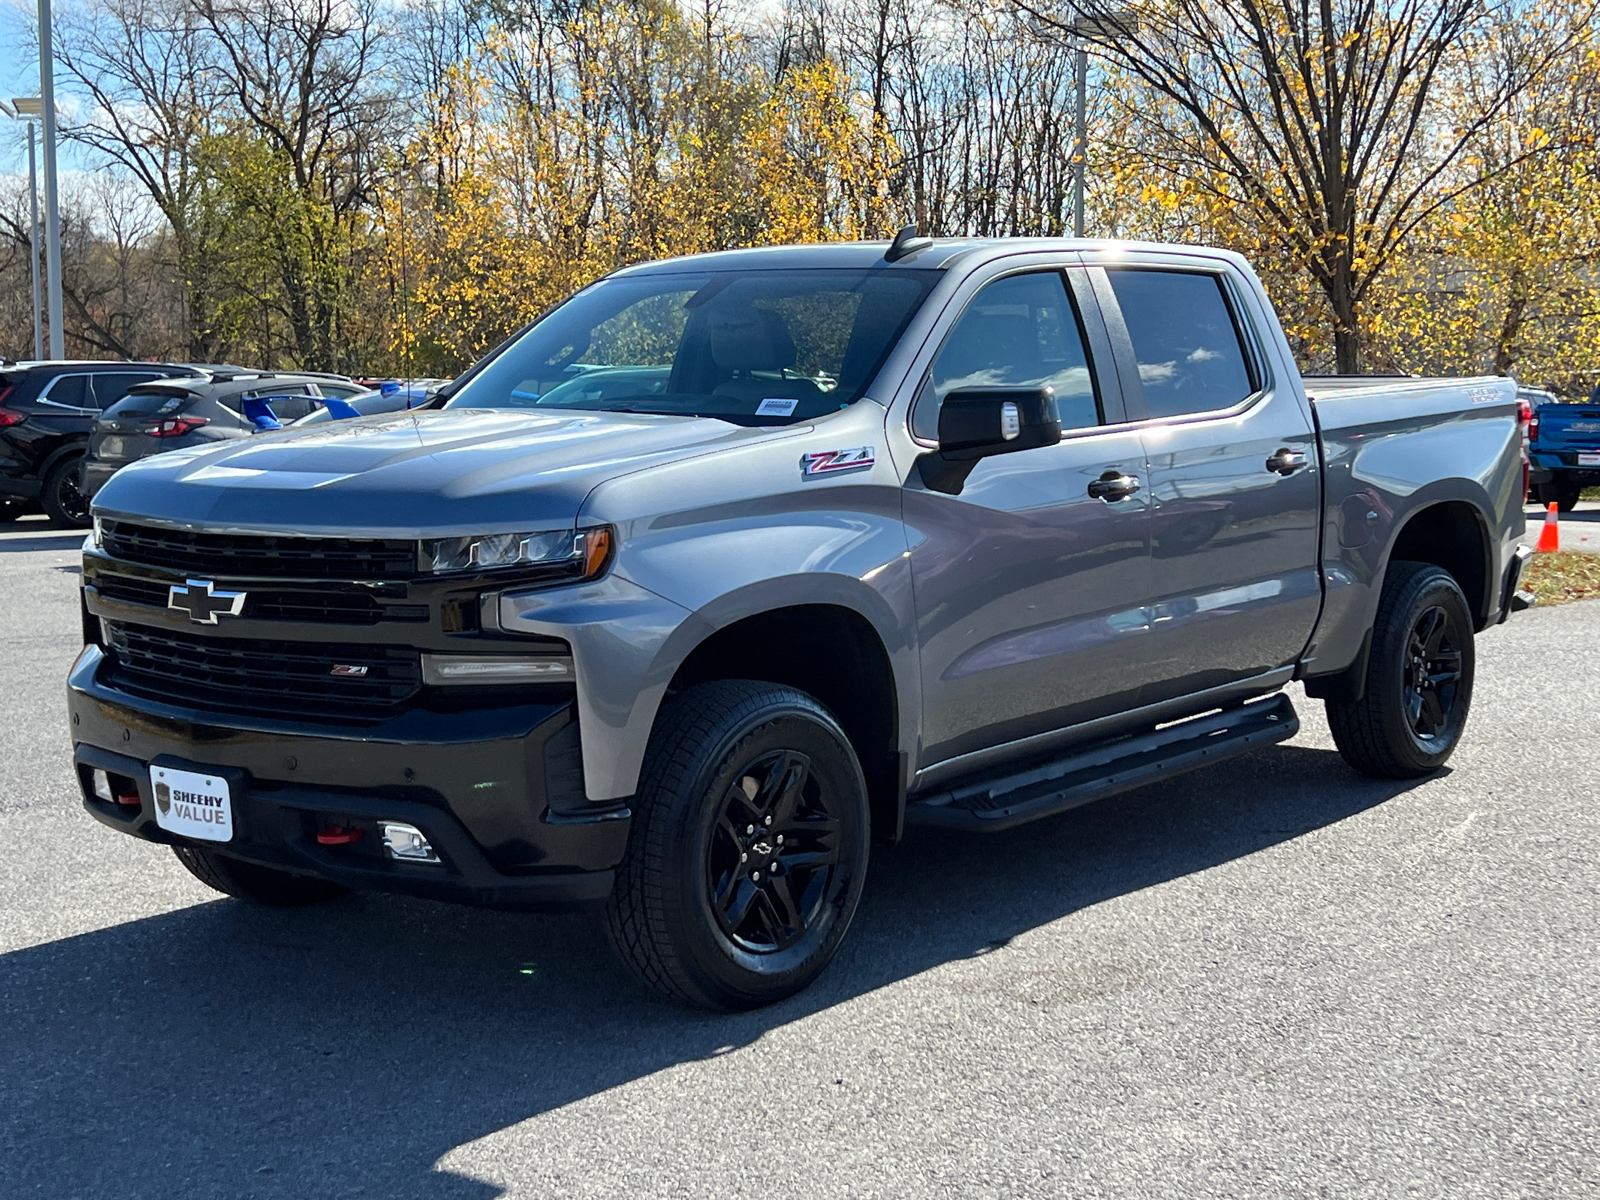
1320 116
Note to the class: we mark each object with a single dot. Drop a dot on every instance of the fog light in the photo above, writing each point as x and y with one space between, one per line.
102 786
406 842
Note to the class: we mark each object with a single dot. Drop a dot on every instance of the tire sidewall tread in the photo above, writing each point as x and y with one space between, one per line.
1371 733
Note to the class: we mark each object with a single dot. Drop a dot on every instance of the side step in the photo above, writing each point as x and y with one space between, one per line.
1045 789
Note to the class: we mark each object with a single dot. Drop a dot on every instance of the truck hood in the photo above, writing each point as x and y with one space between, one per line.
409 474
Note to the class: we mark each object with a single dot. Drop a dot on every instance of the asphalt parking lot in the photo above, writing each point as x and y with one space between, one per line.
1270 978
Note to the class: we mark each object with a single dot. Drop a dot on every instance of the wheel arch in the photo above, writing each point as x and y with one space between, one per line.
1454 536
831 651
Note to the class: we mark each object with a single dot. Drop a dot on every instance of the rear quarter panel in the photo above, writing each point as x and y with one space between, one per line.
1395 449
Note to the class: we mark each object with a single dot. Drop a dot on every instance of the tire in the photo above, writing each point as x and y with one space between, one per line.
1566 498
1419 678
712 905
61 497
252 883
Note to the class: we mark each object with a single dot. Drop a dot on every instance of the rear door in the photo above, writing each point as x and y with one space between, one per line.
1234 488
1029 590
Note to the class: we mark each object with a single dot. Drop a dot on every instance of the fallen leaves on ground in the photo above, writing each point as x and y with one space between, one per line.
1562 576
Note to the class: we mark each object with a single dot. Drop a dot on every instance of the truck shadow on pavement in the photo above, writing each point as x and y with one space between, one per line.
221 1050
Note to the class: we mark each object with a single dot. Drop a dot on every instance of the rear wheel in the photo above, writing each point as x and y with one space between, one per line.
61 498
1419 678
1566 497
257 884
748 848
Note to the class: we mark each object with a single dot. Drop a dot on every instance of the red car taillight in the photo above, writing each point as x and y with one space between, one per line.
7 417
175 426
1533 427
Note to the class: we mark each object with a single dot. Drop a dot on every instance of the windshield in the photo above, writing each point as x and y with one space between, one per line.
755 348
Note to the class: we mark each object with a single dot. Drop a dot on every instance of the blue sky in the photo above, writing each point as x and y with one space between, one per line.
19 76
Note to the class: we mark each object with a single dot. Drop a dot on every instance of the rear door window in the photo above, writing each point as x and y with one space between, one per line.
68 390
1184 337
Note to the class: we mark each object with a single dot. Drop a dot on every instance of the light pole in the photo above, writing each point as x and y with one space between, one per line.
1108 24
52 206
25 108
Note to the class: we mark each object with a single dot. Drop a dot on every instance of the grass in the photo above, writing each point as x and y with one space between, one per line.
1562 576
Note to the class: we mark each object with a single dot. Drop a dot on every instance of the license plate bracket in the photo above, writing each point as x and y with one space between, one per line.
192 804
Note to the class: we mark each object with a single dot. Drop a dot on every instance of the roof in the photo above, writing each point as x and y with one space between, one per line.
815 255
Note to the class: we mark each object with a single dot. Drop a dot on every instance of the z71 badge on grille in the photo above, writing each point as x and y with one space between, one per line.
204 604
836 462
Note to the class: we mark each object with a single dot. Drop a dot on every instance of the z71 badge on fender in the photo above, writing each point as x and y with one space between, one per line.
834 462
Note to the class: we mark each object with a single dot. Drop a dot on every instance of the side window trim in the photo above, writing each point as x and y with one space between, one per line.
44 396
1103 370
1128 361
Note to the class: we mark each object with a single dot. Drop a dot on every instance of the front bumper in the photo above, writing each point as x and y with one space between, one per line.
497 792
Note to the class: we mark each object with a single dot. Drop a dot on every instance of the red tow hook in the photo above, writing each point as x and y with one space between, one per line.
130 800
339 835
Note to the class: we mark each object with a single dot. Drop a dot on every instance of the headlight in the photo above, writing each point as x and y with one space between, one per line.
587 552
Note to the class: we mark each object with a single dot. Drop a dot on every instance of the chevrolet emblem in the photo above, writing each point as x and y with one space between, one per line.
204 604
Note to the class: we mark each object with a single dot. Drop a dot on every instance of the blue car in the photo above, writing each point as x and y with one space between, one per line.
1563 449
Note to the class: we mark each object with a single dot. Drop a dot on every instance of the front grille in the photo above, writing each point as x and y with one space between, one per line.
251 555
254 675
330 608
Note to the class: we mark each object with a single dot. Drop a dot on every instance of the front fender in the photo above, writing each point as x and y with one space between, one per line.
678 582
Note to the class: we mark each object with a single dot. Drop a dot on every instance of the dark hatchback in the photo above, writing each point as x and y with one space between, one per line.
176 414
47 410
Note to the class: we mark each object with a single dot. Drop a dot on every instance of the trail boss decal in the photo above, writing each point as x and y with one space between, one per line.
836 462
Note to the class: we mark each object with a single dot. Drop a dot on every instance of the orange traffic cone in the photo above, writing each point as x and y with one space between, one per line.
1550 535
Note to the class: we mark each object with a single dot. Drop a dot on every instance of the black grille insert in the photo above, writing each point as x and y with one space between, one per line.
252 675
325 608
241 554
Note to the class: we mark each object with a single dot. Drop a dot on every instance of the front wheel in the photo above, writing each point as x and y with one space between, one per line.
748 848
1419 678
61 498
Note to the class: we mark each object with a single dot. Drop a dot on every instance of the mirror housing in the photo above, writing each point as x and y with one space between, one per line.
975 423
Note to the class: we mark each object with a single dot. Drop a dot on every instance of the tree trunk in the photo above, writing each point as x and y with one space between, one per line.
1505 344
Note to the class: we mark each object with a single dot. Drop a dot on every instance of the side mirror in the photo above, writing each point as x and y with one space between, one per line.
975 423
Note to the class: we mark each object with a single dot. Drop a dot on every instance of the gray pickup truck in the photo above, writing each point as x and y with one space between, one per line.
731 565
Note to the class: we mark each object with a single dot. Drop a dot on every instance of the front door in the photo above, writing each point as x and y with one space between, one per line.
1029 590
1234 494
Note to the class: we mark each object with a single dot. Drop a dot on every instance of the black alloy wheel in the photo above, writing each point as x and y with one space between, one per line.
1433 674
774 850
1418 685
748 847
62 498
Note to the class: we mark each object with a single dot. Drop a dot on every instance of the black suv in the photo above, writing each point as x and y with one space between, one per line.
46 412
175 414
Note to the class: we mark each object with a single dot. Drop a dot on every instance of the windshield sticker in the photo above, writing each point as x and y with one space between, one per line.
772 407
835 462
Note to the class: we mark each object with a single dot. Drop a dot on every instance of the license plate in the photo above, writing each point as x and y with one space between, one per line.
111 447
1589 460
192 805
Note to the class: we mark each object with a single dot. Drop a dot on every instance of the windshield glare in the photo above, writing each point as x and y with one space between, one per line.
754 348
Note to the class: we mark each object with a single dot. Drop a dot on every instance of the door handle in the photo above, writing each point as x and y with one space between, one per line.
1286 461
1113 485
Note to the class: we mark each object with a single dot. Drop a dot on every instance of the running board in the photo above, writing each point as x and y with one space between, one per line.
1045 789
